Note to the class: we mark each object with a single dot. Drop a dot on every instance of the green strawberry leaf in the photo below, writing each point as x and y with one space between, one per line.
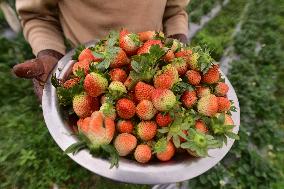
135 38
180 87
76 147
55 82
78 51
113 38
112 153
160 145
232 135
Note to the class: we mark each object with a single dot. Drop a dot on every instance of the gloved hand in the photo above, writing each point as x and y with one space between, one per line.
38 69
181 37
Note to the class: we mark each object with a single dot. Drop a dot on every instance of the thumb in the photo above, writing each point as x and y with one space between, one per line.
29 69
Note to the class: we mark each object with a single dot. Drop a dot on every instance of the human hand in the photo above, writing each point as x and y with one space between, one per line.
38 69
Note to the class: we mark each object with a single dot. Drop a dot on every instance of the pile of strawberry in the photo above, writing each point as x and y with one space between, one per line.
146 97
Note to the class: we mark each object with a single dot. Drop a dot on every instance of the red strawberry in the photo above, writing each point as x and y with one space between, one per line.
212 75
87 54
146 130
125 108
168 153
163 99
166 78
84 105
223 104
147 45
143 153
221 89
124 143
188 98
129 42
128 82
71 82
95 84
83 124
124 126
180 65
118 74
208 105
98 128
145 110
163 120
143 91
193 77
83 64
169 56
202 91
119 58
201 126
146 35
185 54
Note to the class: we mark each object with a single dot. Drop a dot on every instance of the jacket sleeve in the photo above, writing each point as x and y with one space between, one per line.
175 19
41 26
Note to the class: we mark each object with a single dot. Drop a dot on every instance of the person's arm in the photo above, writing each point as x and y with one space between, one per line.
175 19
41 26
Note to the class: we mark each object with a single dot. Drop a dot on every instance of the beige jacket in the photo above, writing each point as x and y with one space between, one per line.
47 22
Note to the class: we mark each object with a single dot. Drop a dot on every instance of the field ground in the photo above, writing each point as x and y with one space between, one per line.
29 158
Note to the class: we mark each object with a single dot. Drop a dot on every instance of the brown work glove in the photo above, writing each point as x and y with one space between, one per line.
181 37
38 69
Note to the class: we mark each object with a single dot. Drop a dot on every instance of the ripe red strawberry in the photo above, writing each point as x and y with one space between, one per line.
71 82
98 129
188 98
185 54
212 75
202 91
145 110
169 56
146 35
168 153
223 104
84 105
83 124
124 143
193 77
163 99
163 120
129 42
87 54
118 74
208 105
95 84
125 108
143 153
143 91
124 126
221 89
147 45
166 78
119 58
201 126
180 65
146 130
83 64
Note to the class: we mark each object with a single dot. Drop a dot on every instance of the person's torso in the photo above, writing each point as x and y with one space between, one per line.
86 20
